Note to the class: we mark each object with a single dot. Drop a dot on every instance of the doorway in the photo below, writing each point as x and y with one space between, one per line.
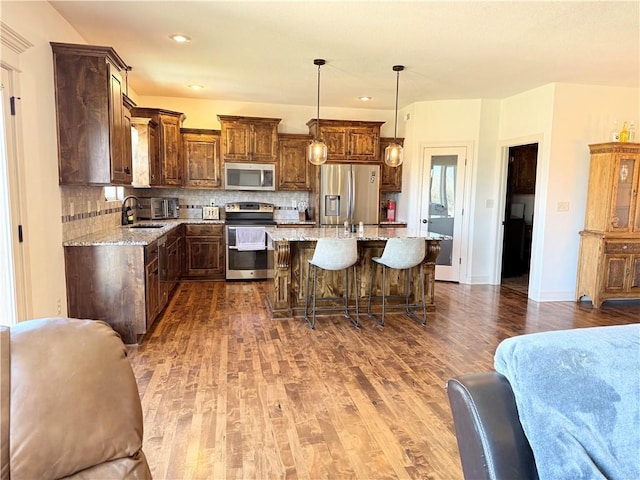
518 216
13 293
443 180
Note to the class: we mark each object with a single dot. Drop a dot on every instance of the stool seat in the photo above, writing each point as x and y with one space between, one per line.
333 254
400 254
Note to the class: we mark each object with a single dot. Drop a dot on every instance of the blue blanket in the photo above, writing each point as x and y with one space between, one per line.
578 398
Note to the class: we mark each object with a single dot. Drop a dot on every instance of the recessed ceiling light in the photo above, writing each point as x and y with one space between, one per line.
365 99
180 38
195 87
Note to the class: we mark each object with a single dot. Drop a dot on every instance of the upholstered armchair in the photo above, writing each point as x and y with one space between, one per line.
69 403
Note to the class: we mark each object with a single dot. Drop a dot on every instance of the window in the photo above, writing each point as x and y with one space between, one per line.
113 193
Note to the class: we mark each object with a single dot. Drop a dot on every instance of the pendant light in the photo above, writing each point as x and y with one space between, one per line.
317 149
393 152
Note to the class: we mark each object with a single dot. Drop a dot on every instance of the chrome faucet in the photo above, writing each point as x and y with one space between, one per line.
127 213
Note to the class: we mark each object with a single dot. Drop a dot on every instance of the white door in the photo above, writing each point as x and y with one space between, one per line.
12 294
442 205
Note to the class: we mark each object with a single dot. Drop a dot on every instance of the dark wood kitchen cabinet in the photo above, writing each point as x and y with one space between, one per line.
201 158
294 172
522 164
93 145
204 252
126 286
167 146
249 139
152 283
390 177
109 283
349 140
174 245
125 170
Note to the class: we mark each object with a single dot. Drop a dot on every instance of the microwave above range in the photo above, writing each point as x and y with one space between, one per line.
158 208
249 176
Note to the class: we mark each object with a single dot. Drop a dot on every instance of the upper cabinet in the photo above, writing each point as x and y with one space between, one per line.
124 171
522 178
145 152
614 182
94 145
349 140
167 138
390 177
201 158
294 171
249 139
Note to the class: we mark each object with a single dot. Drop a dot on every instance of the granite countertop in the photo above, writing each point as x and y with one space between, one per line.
370 233
295 222
125 235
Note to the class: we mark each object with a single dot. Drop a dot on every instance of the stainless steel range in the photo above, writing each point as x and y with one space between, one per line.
249 253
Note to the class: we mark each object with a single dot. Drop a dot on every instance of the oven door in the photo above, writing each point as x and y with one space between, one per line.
246 264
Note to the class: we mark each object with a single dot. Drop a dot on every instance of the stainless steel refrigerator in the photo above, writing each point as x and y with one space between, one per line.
349 192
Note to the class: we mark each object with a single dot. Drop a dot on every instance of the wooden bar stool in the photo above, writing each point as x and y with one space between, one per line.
401 254
333 254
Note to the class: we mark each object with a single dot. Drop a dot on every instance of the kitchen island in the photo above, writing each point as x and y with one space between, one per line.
292 247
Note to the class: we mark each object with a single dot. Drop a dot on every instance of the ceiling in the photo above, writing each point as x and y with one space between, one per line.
263 51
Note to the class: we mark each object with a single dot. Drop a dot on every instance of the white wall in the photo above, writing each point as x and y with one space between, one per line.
581 115
564 119
439 123
485 197
39 23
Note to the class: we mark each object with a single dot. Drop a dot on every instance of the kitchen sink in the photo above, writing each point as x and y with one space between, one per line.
147 226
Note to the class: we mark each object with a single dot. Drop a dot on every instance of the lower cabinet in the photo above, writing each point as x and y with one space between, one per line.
126 286
152 282
204 252
174 261
608 267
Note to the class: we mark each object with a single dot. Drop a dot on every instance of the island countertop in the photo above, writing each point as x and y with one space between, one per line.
279 234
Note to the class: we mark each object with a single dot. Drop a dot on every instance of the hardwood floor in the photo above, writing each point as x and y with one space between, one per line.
228 393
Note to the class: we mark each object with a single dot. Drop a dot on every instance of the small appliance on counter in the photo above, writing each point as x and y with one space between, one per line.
211 213
158 208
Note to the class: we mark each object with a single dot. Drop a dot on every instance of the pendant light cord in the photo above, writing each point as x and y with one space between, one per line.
395 129
318 110
397 69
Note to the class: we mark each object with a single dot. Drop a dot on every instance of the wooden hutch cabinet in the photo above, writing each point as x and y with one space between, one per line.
90 113
249 139
167 146
349 140
201 158
390 177
609 259
294 171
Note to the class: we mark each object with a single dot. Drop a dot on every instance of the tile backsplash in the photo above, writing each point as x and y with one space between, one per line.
85 210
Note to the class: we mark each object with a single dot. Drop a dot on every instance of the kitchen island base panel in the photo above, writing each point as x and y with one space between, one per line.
286 295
